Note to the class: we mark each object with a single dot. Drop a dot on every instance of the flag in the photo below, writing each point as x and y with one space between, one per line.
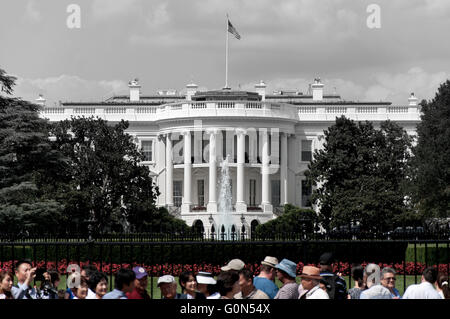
233 31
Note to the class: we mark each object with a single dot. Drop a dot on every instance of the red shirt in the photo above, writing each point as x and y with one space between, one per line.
136 294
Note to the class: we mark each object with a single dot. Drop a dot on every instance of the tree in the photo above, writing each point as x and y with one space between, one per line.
27 165
431 164
360 175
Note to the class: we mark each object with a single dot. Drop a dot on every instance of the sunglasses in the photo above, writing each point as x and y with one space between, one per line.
390 278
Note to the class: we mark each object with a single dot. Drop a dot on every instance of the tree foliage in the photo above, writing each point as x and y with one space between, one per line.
360 175
432 156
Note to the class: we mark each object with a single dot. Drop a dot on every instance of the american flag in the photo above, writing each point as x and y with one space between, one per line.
233 31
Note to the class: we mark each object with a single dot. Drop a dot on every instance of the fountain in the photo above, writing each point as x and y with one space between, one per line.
225 207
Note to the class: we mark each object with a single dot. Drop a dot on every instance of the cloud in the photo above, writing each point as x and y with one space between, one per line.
31 13
105 9
158 15
68 88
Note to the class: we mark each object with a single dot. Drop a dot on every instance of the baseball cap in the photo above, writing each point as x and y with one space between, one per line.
140 272
235 264
166 279
205 278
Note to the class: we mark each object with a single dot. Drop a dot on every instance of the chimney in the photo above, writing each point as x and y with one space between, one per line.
317 90
40 100
412 100
135 90
260 88
191 89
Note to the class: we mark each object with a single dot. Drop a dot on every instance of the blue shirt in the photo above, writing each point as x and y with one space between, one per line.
115 294
23 291
395 293
266 285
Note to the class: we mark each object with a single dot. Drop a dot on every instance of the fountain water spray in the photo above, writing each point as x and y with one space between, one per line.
225 206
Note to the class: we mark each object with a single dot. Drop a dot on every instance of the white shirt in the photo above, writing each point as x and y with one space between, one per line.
425 290
215 295
91 294
376 292
317 293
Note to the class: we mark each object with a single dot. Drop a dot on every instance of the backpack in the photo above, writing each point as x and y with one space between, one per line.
336 286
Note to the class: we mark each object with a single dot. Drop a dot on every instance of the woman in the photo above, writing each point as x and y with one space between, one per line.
98 283
82 291
442 286
206 284
228 284
6 283
358 277
189 286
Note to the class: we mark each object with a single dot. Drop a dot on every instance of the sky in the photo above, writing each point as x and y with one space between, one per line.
167 44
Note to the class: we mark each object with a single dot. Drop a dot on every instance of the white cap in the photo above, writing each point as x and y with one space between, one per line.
205 278
166 279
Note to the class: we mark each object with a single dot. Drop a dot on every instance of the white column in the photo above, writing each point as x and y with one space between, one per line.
187 189
283 169
241 207
265 170
169 171
212 204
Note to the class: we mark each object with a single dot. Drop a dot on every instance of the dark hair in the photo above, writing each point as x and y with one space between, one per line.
247 274
89 269
22 261
3 275
124 277
184 278
445 289
430 275
266 268
226 281
54 276
95 278
358 274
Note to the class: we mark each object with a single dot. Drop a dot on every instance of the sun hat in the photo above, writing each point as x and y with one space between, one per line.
289 267
310 272
205 278
140 272
235 264
270 261
166 279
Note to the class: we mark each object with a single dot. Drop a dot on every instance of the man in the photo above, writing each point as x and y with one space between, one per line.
375 290
310 279
168 287
266 278
140 285
86 272
233 265
124 282
286 273
25 275
248 290
426 289
388 281
336 286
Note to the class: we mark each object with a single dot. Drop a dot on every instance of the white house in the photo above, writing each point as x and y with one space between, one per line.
269 138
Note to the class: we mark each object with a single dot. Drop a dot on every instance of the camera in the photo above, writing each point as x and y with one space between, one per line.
46 290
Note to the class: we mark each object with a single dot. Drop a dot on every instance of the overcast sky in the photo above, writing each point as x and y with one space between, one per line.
169 43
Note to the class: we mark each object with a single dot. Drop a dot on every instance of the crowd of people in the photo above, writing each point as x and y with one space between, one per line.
233 282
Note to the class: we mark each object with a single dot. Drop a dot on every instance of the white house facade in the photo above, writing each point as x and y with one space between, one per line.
269 140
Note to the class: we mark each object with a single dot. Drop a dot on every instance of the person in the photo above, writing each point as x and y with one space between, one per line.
234 265
372 278
286 273
168 287
206 284
424 290
49 286
248 290
124 282
337 288
310 279
140 285
265 281
188 285
98 283
25 275
358 278
228 284
442 286
86 272
388 281
81 291
6 283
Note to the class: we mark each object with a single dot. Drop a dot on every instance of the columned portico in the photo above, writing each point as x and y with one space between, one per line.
187 189
212 203
169 171
241 206
283 169
265 172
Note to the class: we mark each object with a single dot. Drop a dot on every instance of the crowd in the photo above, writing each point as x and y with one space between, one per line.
233 282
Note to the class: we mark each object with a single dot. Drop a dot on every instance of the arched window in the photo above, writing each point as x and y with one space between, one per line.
198 226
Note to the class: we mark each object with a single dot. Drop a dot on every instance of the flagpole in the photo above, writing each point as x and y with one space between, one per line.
226 56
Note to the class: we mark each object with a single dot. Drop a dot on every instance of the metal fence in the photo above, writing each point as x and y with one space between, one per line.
174 254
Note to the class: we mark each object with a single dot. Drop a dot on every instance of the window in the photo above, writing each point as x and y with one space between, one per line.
306 151
147 150
201 192
177 193
306 194
276 193
252 200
